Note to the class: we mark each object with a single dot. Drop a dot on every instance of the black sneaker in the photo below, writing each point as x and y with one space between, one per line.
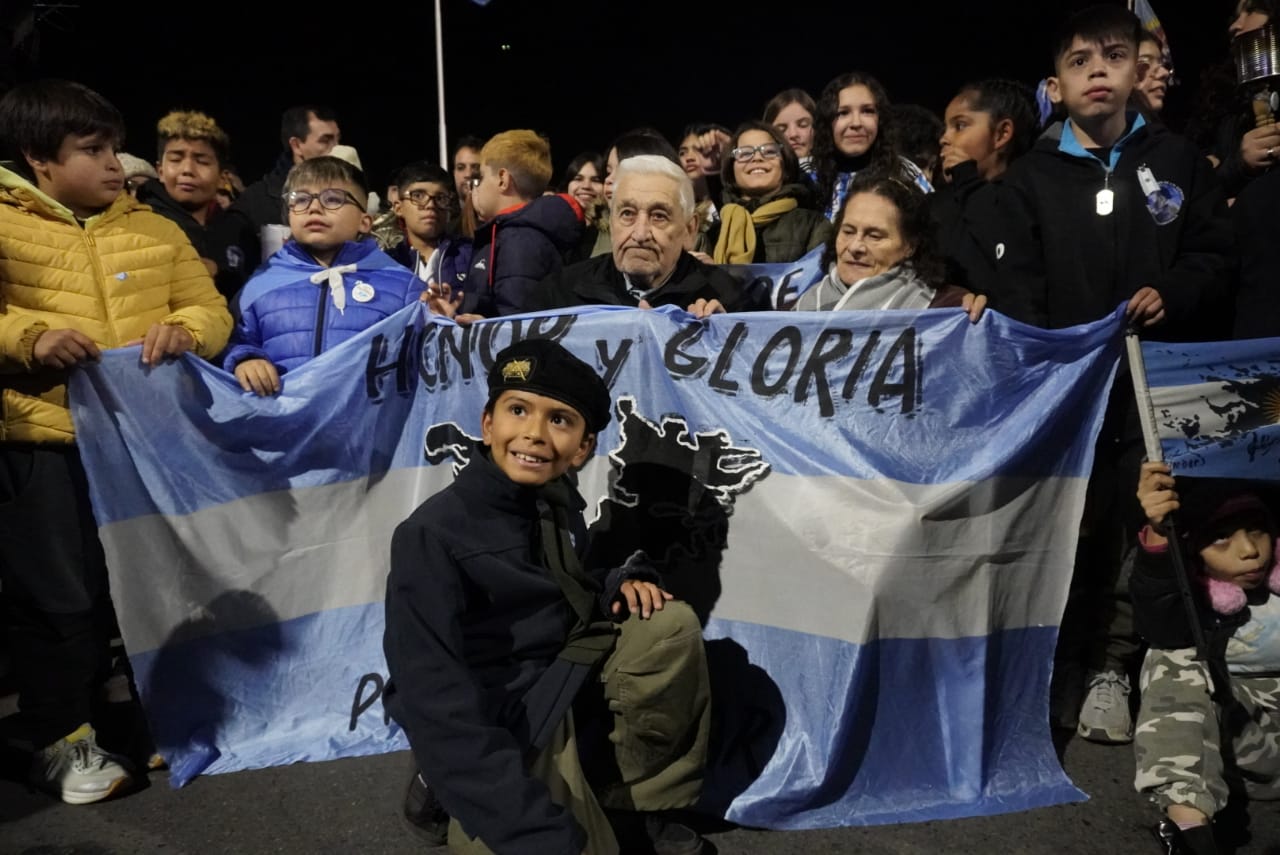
669 837
1191 841
427 818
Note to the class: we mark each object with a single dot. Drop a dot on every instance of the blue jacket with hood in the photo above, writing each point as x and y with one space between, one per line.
294 309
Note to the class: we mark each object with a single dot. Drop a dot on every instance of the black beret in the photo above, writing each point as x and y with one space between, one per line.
544 367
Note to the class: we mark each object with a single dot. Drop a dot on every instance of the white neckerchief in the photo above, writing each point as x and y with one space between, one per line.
333 276
429 267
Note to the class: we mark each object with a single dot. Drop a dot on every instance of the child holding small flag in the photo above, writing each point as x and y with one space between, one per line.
1199 740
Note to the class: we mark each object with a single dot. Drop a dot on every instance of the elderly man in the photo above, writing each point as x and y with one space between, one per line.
651 224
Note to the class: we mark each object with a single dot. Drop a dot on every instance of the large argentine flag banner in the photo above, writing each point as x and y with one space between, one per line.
1217 406
876 513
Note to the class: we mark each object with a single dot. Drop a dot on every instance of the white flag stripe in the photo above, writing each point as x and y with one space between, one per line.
838 557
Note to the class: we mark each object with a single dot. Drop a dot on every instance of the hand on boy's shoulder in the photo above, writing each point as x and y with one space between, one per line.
643 598
64 348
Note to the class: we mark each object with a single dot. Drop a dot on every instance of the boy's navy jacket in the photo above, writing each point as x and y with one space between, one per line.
288 312
474 626
516 250
1061 263
455 260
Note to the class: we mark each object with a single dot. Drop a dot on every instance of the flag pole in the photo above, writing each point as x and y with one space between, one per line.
1151 438
444 144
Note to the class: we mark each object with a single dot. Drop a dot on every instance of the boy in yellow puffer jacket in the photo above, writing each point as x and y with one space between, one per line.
83 267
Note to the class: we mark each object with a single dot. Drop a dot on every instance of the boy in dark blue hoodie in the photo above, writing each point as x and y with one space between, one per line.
1112 210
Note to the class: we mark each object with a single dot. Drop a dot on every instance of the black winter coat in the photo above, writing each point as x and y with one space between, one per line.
597 282
474 626
1060 263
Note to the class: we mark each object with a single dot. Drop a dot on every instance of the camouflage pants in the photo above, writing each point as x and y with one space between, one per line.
1178 738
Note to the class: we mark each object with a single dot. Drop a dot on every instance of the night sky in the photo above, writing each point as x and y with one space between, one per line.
579 72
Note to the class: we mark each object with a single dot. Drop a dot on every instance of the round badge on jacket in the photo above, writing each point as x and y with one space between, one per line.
1165 203
362 292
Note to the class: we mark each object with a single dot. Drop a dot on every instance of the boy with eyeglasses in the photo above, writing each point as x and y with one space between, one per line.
427 212
324 286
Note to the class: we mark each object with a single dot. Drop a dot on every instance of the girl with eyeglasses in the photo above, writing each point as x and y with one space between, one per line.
770 213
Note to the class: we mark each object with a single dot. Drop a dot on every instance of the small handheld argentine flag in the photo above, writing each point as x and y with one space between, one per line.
1216 406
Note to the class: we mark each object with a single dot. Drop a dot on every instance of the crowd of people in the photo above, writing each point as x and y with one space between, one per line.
1054 217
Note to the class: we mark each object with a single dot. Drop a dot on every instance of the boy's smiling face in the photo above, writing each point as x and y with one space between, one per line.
86 176
1094 79
535 439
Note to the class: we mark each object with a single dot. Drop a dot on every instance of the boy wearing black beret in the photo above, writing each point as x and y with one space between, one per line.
494 630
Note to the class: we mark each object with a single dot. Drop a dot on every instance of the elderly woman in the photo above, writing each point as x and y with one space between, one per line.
883 255
769 214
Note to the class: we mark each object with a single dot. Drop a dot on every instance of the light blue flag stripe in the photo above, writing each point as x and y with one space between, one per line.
868 394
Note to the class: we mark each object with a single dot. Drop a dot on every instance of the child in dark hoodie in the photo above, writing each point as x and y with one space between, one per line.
1188 710
523 235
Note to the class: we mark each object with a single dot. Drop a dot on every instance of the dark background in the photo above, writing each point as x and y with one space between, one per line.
579 72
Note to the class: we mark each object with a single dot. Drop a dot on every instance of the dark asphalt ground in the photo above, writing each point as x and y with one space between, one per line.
352 806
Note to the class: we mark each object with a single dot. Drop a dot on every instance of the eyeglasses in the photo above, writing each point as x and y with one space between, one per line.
744 153
422 198
331 199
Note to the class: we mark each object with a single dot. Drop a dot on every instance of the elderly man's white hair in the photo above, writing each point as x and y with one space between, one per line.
656 164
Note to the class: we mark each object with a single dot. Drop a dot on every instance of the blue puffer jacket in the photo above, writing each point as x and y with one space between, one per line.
293 309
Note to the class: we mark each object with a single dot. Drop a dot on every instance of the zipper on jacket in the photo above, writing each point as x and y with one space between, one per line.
318 344
100 281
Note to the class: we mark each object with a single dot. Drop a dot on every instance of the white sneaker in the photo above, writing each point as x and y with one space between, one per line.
76 769
1105 716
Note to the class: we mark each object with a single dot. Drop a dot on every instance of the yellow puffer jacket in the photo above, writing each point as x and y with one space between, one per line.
124 270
